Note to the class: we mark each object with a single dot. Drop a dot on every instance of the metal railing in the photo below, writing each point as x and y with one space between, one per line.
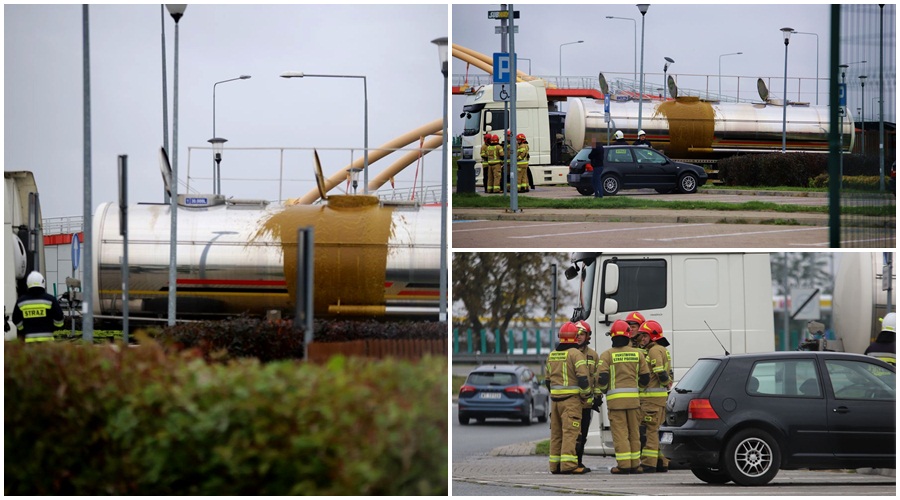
63 225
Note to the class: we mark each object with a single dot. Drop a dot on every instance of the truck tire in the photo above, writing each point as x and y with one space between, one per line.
687 183
752 457
611 184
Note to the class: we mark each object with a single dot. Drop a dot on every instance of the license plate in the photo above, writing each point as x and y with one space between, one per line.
573 178
666 438
490 395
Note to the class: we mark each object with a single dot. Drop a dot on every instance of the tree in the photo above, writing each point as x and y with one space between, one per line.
804 270
496 288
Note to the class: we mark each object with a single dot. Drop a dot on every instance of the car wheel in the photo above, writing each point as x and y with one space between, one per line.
752 457
545 415
586 191
526 420
610 184
687 183
463 420
711 476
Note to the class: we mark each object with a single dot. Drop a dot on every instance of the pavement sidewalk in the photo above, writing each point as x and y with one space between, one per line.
642 215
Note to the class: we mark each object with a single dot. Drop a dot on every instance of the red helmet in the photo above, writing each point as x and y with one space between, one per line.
583 325
620 328
653 329
568 333
520 137
494 139
487 136
635 317
508 132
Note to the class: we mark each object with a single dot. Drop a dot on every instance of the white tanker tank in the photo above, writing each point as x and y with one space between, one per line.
859 302
691 128
370 259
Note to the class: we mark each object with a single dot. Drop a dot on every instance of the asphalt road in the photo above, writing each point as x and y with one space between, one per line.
648 228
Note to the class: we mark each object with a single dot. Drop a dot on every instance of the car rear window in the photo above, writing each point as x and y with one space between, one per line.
492 378
583 155
699 374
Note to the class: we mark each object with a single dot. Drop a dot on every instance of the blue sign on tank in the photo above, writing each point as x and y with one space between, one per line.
196 201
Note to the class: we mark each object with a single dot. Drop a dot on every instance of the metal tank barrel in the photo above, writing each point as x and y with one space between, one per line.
370 259
690 128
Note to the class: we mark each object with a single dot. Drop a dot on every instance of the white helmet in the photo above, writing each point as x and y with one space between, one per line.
641 132
35 279
889 323
619 134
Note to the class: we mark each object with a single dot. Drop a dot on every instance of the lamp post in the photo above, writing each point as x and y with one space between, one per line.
817 60
720 69
442 54
217 157
669 61
300 74
843 81
560 55
176 11
787 38
635 39
217 143
643 8
862 117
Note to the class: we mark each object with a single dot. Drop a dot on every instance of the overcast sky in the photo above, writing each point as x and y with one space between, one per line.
693 35
390 45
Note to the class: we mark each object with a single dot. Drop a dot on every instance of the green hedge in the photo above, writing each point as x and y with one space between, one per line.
795 169
110 420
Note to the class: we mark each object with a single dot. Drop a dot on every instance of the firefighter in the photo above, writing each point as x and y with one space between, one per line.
37 313
494 165
569 382
485 156
522 163
653 397
634 320
642 139
621 371
885 345
595 399
620 139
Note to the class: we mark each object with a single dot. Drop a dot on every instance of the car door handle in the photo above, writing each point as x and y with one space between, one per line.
841 409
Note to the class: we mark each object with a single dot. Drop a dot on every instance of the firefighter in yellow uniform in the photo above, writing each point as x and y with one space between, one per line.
634 320
485 168
622 369
568 381
596 397
653 397
495 165
522 163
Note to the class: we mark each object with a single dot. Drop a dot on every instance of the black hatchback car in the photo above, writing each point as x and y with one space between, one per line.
634 167
743 417
503 391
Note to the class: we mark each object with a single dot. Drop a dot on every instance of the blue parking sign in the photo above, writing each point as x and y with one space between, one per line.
842 94
502 68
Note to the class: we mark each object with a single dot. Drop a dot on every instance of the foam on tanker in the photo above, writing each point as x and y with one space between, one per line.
351 235
691 125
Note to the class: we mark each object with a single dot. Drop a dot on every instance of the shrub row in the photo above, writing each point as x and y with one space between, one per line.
89 420
793 169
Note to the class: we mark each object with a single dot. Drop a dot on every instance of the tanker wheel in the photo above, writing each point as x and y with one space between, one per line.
586 191
610 184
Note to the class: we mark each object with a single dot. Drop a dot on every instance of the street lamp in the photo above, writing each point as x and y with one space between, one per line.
643 8
300 74
720 70
817 60
217 143
442 54
560 55
862 117
669 61
217 178
176 11
841 113
635 39
787 38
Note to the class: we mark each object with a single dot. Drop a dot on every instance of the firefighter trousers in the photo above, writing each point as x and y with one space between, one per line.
582 438
496 178
522 177
565 428
625 426
652 419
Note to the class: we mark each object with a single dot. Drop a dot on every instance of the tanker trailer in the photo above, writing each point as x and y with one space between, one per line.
860 300
370 259
688 128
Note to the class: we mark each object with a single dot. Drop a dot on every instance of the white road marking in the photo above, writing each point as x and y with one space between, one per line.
737 234
669 226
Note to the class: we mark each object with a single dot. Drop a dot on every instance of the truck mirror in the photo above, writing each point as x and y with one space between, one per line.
488 117
610 306
571 272
611 280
